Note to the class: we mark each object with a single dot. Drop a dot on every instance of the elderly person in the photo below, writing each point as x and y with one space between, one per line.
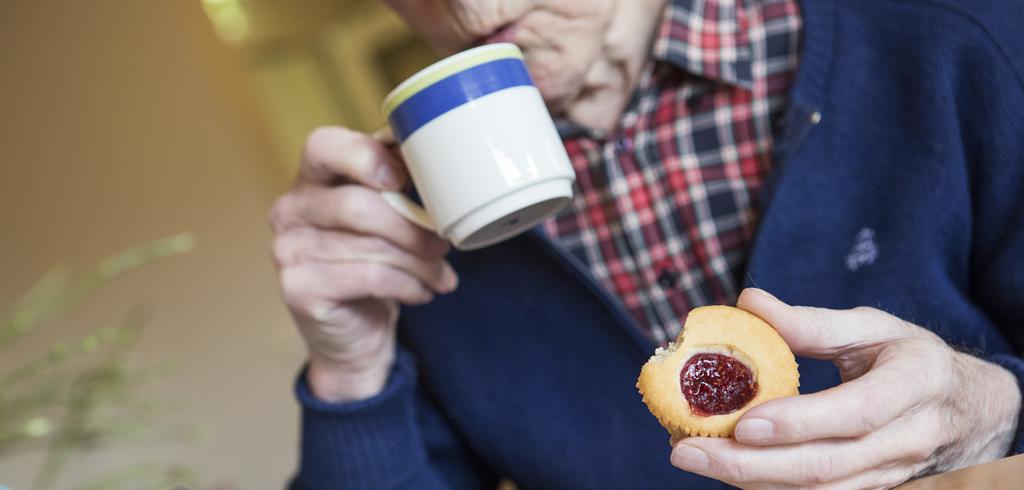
863 158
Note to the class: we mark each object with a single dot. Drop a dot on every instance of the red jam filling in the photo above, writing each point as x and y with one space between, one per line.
716 384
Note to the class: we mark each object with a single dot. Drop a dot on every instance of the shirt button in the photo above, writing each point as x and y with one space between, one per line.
624 144
667 278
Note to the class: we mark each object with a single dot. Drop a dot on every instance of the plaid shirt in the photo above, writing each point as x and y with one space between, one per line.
664 210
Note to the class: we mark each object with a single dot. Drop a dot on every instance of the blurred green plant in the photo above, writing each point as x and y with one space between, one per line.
84 395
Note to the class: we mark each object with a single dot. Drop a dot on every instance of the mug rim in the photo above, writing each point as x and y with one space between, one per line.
444 68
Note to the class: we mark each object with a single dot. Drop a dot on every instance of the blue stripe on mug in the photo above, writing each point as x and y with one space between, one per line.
455 90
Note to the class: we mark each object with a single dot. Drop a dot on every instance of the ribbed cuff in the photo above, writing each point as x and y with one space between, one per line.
1015 365
372 443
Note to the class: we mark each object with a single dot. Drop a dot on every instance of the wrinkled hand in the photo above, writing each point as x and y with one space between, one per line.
909 405
345 260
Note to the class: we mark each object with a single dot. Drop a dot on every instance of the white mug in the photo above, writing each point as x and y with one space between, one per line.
480 146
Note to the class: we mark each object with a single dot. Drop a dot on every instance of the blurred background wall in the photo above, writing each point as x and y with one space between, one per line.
124 121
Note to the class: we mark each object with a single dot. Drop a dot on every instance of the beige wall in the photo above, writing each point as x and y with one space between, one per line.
122 121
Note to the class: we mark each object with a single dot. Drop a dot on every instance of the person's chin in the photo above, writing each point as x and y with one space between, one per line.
600 112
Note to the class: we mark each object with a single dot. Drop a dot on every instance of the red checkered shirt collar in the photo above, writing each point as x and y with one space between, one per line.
665 206
708 38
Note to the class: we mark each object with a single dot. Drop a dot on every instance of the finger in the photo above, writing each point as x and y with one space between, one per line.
333 152
356 209
822 333
312 290
313 245
851 409
814 463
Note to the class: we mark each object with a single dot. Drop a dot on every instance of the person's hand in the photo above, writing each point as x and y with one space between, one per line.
345 260
909 405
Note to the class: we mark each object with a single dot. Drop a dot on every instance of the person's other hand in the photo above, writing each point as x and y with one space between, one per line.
909 405
345 260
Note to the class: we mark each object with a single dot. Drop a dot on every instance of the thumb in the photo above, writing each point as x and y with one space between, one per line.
822 333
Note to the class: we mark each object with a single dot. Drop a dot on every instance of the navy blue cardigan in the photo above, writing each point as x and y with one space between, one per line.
899 184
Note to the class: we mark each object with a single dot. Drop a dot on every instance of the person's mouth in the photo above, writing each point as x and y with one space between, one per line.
503 34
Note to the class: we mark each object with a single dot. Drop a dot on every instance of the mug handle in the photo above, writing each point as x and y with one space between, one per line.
398 201
409 210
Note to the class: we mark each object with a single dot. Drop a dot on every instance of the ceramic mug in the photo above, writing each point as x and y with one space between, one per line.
480 146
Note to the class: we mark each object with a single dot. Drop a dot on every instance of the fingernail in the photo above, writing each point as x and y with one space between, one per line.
387 177
766 294
425 298
689 458
450 281
755 430
753 291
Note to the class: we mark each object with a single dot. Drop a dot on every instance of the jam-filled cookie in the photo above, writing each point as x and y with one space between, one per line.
724 362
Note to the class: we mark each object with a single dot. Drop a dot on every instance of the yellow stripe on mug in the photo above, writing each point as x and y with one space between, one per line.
446 68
